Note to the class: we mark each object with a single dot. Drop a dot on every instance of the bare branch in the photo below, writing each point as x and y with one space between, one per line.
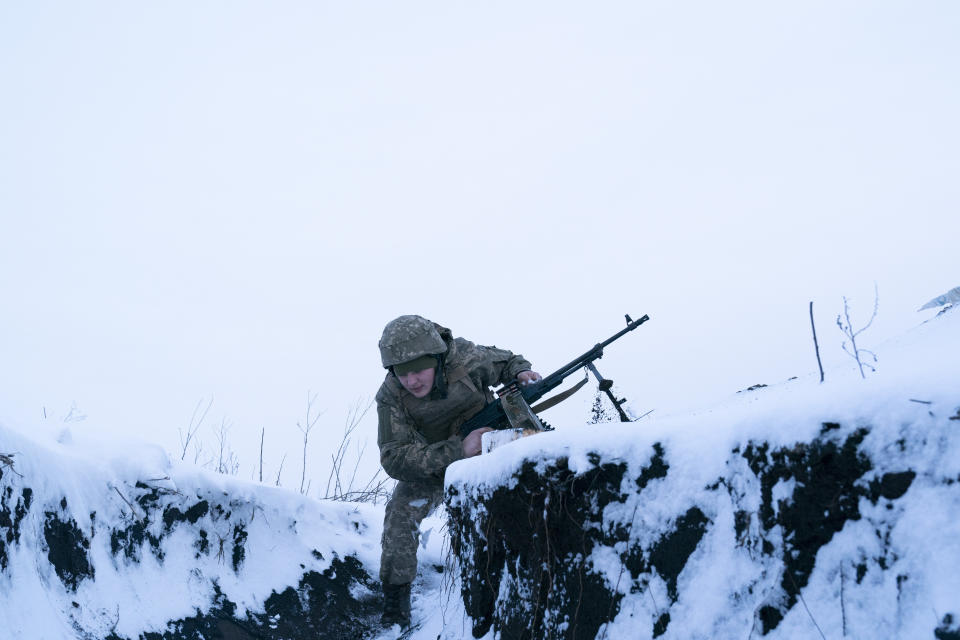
847 328
280 470
74 415
343 490
816 345
194 426
305 428
133 509
227 462
262 432
6 460
876 307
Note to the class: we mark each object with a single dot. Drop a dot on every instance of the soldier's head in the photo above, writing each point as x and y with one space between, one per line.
411 347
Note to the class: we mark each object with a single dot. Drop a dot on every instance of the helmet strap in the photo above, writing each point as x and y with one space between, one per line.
439 380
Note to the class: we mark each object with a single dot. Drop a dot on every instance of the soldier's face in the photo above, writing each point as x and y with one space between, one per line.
418 383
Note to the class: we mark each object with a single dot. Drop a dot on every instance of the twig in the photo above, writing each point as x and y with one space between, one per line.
653 598
162 489
816 345
804 602
222 541
194 425
342 490
262 431
277 483
227 462
74 415
133 510
852 333
6 459
305 430
843 605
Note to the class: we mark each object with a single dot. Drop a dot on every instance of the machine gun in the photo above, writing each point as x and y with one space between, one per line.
493 414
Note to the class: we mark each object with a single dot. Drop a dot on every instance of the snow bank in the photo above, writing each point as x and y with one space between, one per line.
106 539
791 511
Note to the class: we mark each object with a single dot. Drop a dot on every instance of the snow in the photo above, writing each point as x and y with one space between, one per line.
914 387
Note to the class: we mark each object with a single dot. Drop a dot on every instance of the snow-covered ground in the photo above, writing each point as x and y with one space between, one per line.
136 589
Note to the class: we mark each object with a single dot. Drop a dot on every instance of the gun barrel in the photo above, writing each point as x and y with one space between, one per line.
630 327
493 415
597 350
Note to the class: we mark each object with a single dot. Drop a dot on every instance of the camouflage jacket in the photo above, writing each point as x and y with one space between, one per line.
419 437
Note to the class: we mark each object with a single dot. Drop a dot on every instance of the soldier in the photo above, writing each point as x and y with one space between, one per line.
435 382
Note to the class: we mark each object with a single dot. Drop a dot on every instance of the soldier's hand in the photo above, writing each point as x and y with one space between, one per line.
527 377
471 444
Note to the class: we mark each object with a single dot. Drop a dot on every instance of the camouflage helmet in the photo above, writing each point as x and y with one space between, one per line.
407 338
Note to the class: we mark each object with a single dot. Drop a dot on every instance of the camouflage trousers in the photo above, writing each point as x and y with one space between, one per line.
410 503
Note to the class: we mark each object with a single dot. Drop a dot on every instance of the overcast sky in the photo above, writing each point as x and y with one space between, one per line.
230 199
